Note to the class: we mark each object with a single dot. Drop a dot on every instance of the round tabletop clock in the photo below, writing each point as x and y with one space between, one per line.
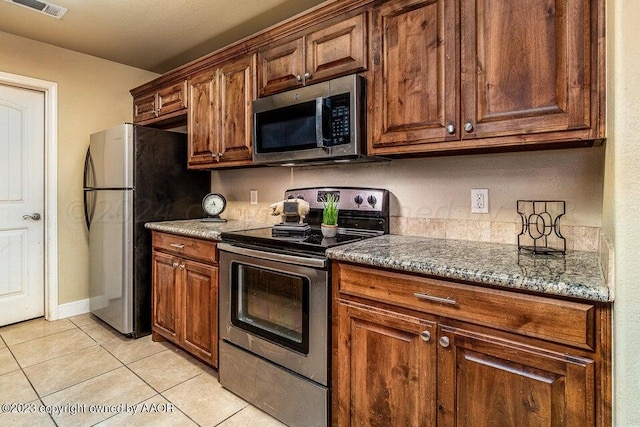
213 205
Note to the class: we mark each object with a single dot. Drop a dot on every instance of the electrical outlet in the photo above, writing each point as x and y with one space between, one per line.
254 197
479 200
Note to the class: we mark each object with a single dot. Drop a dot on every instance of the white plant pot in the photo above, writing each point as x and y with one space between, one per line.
329 230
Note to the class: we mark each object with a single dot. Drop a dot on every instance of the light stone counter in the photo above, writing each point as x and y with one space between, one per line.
576 274
202 230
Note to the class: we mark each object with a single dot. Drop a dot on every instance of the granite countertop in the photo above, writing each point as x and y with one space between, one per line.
202 230
576 274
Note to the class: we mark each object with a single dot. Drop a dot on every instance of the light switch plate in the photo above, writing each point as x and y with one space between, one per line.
254 197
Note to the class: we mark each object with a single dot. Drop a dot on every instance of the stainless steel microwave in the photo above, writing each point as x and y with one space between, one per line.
320 123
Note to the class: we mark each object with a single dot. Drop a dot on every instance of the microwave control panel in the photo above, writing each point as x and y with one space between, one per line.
340 119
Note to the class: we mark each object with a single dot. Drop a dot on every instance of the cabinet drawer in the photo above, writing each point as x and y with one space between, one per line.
198 249
551 319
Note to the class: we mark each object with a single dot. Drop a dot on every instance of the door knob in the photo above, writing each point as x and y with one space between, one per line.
468 127
451 129
425 335
35 216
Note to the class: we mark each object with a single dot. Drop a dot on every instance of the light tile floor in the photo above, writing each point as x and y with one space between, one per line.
80 372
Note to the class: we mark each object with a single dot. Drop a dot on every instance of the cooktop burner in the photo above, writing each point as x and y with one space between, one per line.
364 213
310 242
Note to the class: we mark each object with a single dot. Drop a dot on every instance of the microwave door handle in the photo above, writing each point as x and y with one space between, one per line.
323 127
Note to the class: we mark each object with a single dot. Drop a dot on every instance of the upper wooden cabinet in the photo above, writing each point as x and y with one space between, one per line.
460 74
220 114
160 105
329 52
415 91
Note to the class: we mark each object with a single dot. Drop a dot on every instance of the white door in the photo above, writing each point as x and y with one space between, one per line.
21 204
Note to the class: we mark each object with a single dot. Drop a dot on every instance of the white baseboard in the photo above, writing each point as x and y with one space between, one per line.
73 308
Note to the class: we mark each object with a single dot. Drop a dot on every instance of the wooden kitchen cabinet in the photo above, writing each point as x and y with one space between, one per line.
415 87
388 368
463 355
220 119
335 50
162 104
185 294
470 74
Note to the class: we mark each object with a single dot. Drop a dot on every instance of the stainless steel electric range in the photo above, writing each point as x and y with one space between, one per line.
275 320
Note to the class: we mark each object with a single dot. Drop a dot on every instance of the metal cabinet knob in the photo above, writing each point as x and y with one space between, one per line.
34 216
175 265
451 129
299 78
219 154
425 335
444 341
468 127
181 267
307 75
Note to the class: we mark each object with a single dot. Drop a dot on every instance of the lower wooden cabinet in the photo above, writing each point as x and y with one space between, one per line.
185 294
425 367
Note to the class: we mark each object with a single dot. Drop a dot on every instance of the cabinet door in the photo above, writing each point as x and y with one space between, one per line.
144 108
415 74
385 370
525 66
237 91
200 308
172 98
485 381
281 67
165 296
203 120
337 50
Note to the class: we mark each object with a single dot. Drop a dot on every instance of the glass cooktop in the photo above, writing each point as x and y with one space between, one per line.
311 241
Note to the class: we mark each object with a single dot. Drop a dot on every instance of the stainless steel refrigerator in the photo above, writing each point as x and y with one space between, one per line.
133 175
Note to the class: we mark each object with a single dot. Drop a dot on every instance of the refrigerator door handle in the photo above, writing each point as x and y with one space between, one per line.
87 214
88 181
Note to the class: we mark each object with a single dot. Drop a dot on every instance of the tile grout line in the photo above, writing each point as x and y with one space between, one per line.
43 336
39 398
233 415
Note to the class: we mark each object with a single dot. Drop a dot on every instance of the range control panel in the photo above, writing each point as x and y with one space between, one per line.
349 198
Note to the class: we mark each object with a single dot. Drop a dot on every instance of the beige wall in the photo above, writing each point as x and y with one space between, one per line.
439 187
622 201
93 94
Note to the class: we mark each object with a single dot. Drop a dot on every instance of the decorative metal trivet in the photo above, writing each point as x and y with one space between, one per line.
540 232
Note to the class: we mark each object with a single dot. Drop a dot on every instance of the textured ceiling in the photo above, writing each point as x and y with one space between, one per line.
155 35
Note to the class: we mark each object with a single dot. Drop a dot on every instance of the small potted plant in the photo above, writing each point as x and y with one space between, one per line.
329 224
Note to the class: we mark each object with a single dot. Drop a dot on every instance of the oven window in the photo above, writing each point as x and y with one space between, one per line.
271 304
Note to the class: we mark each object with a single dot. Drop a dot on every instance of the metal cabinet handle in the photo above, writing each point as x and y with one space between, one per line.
299 77
468 127
435 299
175 265
34 216
444 341
307 76
177 245
425 335
451 129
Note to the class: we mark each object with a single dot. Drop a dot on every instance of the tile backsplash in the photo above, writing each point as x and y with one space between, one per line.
579 238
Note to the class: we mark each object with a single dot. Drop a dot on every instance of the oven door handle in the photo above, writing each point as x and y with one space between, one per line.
273 256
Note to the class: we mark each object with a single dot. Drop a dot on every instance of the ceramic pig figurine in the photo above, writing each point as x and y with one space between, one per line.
303 209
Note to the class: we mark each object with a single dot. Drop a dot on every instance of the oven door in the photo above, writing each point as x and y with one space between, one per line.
276 306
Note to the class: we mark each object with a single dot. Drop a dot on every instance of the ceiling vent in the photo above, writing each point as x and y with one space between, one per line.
42 7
